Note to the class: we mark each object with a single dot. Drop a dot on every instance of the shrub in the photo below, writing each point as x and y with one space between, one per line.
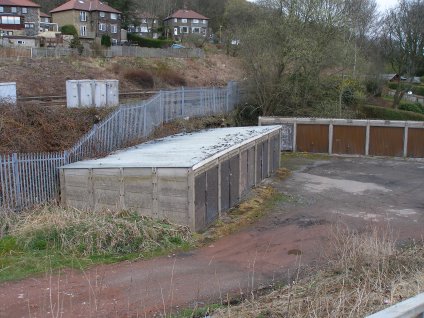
106 41
76 44
412 107
375 112
172 78
141 77
146 42
374 87
69 29
418 90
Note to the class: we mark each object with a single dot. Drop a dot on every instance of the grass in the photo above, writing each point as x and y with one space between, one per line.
247 212
198 312
52 238
364 273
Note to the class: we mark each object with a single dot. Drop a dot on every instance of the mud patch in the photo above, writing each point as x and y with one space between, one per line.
301 221
318 184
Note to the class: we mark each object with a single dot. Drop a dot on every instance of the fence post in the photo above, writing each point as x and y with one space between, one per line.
182 101
16 179
144 121
161 108
66 157
228 96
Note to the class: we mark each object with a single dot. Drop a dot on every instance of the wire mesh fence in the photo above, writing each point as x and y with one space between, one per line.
28 179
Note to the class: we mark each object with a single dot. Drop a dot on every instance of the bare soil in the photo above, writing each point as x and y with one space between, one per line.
357 192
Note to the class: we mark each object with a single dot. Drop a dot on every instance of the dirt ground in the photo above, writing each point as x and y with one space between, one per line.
357 192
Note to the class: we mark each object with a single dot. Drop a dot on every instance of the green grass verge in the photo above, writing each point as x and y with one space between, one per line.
51 238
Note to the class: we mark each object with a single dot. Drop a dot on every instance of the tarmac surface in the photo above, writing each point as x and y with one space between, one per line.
320 193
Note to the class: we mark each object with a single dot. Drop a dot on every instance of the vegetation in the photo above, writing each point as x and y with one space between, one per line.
51 237
365 273
106 40
141 77
69 29
146 42
375 112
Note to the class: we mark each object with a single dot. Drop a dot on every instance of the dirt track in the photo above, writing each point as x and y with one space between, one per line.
358 192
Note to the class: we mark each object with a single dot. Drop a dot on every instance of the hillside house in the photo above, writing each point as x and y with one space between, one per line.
19 18
185 22
147 25
91 18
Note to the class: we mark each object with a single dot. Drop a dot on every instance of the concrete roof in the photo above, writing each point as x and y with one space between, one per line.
190 150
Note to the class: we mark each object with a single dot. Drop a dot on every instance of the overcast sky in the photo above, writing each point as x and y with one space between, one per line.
383 5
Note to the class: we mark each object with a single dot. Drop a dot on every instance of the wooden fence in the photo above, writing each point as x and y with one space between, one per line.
27 179
351 137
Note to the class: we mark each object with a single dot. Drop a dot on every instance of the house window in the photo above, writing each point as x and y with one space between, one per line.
14 10
113 16
29 25
113 28
83 30
24 10
1 9
184 20
102 26
102 14
184 30
195 30
175 20
10 20
20 42
204 21
195 21
83 16
114 42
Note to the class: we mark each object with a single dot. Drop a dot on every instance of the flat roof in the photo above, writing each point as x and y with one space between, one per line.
187 150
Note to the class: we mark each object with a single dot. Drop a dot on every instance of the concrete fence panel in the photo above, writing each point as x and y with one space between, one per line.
92 93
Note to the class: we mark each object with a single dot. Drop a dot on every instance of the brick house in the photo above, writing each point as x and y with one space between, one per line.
91 18
147 25
185 22
19 18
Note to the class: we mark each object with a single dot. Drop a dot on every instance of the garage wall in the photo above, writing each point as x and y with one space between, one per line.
355 137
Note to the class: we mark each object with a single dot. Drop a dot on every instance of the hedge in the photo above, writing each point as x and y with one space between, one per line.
376 112
412 107
146 42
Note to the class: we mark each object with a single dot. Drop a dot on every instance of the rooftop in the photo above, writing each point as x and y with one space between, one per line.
85 5
179 151
19 3
187 14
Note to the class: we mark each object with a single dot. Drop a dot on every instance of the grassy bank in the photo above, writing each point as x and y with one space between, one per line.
366 273
51 238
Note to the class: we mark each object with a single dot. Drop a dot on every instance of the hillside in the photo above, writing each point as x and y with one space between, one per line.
34 127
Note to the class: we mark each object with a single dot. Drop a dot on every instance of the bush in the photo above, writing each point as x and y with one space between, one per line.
418 90
106 41
69 29
146 42
375 112
76 44
412 107
374 87
172 78
141 77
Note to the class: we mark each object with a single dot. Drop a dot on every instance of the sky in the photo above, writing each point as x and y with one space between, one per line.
383 5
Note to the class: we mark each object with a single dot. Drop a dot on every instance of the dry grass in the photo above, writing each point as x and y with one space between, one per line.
91 233
365 274
140 77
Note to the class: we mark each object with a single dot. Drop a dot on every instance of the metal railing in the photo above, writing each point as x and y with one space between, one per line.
410 308
27 179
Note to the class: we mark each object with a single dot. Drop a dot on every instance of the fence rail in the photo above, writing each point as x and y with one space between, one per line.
28 179
114 51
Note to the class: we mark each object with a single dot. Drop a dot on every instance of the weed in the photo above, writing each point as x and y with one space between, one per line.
140 77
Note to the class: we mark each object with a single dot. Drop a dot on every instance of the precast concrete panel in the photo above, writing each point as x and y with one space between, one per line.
100 93
8 93
234 180
212 195
259 162
244 171
225 185
112 93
